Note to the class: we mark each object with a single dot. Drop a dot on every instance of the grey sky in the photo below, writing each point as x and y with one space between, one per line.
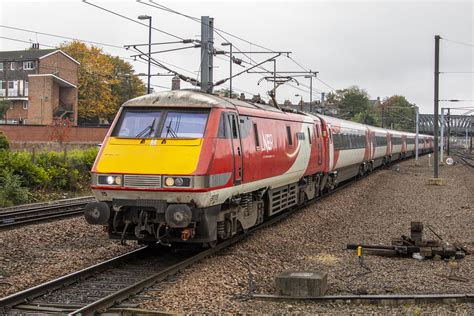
383 47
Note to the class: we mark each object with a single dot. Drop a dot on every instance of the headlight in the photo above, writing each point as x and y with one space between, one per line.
109 179
177 182
169 181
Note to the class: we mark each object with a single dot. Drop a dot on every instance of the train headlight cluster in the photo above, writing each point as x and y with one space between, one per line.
109 179
177 182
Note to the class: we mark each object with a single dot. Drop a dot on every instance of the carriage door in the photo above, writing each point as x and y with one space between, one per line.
236 147
318 141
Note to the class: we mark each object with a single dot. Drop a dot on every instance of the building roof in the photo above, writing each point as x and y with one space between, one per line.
60 81
27 54
31 54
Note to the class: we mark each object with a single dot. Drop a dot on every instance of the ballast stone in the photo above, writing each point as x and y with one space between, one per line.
301 283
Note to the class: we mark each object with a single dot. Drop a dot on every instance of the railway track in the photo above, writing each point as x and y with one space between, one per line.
100 287
39 212
465 157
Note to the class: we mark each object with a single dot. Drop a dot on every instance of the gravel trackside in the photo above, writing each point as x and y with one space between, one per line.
374 210
34 254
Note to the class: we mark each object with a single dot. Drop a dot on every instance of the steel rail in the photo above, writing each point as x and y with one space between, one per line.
34 213
114 298
467 159
461 298
31 293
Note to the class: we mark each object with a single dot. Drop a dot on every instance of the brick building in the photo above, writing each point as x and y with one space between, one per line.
40 85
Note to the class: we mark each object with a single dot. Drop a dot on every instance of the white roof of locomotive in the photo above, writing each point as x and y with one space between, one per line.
192 99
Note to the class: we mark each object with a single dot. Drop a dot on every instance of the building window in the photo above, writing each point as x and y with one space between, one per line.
26 88
25 105
11 105
2 88
1 66
28 65
12 65
12 89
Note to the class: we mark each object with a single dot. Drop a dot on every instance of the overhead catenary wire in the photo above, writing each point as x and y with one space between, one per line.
218 32
457 42
90 42
133 20
51 46
60 36
23 41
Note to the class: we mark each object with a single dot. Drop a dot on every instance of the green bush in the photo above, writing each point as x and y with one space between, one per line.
11 191
50 171
21 164
4 144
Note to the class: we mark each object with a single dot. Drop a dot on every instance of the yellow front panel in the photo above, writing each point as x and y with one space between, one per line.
150 156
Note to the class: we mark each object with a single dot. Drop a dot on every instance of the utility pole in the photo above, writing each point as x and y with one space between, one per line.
436 105
310 94
467 134
207 53
147 17
417 132
323 95
449 129
470 146
441 151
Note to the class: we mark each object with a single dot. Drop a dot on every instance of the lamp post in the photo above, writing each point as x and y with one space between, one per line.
147 17
301 102
230 82
417 119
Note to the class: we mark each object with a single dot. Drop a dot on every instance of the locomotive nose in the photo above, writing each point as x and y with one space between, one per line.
97 213
178 215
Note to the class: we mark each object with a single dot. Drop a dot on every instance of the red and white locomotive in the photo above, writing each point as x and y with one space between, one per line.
184 166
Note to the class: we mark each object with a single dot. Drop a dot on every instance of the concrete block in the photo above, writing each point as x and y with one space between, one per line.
436 181
301 283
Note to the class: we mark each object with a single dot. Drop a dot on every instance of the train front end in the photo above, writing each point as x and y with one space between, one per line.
149 177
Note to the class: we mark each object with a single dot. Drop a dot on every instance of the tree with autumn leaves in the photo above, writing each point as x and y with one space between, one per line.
105 82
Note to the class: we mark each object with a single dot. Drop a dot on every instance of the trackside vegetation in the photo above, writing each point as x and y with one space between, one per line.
30 177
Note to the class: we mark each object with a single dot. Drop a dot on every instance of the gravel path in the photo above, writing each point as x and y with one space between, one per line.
374 210
34 254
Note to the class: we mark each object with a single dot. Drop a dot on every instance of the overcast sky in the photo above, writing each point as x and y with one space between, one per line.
384 47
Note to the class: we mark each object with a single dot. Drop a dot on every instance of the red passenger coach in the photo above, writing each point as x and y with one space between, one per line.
185 166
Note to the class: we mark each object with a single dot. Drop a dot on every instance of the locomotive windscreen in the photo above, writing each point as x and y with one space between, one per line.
163 123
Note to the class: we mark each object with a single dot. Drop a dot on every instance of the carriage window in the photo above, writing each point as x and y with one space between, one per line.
184 125
309 135
222 131
233 124
255 131
288 135
137 123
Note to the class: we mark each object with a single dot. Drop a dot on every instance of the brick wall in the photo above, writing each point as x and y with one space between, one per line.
61 66
40 98
17 112
43 133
